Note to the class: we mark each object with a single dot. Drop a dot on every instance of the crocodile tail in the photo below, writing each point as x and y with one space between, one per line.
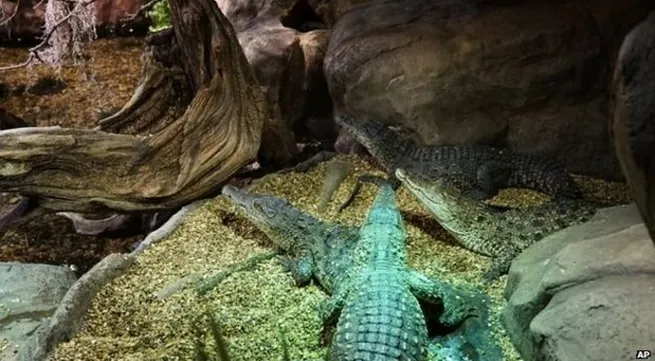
544 175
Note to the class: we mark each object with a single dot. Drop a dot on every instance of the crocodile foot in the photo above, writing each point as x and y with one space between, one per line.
499 267
461 304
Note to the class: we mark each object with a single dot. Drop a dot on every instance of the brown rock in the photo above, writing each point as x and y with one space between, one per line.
633 122
331 10
531 75
287 64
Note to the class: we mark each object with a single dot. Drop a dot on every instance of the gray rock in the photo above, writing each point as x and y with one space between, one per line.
633 122
531 75
29 295
608 319
67 318
578 265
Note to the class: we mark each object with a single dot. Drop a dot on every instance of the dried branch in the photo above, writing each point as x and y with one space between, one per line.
146 7
33 51
8 19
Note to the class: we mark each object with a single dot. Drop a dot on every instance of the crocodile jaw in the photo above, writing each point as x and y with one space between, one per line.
430 194
237 196
363 130
246 201
454 212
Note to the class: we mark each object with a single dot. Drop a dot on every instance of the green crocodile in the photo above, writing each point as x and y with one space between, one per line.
376 305
479 170
489 231
317 249
325 252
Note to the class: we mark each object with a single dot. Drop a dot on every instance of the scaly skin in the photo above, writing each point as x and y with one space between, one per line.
485 230
479 169
379 317
316 248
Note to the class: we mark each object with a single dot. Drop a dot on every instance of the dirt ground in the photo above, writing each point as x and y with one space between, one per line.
76 97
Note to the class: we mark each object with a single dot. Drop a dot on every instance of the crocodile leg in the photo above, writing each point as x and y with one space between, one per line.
301 268
330 309
459 303
499 266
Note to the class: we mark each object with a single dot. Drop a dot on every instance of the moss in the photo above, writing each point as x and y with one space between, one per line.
160 16
126 320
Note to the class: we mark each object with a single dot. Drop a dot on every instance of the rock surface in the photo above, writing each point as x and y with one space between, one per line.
529 75
633 123
598 278
287 63
29 295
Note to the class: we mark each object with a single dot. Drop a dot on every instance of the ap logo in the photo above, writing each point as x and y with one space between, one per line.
643 354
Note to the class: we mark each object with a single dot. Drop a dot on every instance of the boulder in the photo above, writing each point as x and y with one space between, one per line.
603 320
530 75
29 295
633 121
332 10
587 276
288 65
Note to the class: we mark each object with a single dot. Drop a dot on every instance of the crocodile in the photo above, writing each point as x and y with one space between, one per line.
316 249
489 231
375 306
479 170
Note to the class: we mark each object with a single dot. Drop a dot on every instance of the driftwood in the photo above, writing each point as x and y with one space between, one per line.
160 162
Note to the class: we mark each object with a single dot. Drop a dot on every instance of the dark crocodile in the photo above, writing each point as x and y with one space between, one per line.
489 231
317 249
480 170
376 305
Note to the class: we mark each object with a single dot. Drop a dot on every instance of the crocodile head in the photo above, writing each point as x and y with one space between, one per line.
366 131
278 219
447 204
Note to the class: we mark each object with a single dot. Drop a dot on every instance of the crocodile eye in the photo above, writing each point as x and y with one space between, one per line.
265 209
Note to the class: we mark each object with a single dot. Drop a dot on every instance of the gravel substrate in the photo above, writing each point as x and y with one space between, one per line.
150 312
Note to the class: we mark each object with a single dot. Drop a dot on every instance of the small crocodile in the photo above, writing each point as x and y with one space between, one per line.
376 305
317 249
479 170
489 231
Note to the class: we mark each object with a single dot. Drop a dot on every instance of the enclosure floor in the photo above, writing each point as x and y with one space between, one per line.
132 319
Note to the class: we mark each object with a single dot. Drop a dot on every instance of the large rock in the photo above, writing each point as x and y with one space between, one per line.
287 63
531 75
29 295
598 278
330 11
633 123
603 320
